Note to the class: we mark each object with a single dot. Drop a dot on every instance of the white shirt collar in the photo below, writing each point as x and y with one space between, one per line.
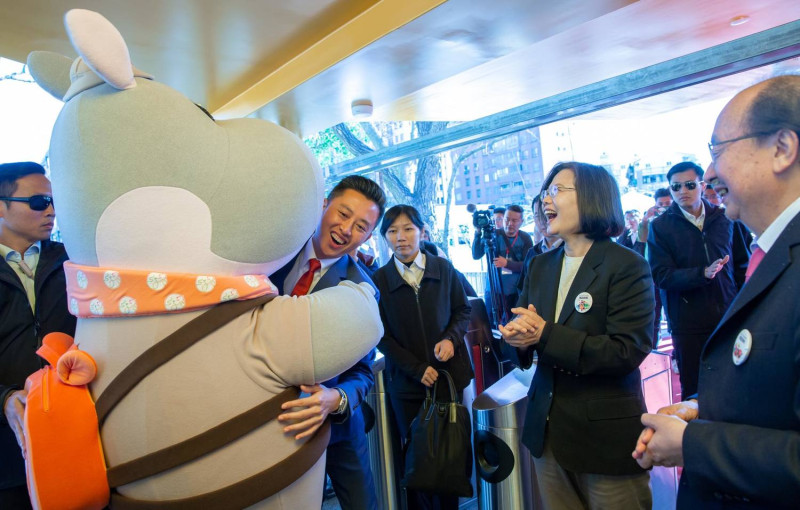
309 253
412 274
301 266
8 253
696 221
778 225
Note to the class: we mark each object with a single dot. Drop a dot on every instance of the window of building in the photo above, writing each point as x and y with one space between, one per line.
469 195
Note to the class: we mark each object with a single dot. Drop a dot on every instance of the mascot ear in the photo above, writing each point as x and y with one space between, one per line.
102 47
51 72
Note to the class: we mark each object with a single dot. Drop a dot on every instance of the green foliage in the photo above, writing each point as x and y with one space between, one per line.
329 148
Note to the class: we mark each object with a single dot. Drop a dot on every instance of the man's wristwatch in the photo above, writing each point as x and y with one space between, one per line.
342 403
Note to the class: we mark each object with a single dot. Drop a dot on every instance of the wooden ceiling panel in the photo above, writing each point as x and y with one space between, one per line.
302 62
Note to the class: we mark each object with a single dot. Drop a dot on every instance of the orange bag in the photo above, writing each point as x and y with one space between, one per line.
61 431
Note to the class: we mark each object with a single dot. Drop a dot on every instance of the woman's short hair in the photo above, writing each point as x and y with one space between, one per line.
599 206
391 215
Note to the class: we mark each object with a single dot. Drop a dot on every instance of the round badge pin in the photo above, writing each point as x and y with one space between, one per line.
583 303
742 347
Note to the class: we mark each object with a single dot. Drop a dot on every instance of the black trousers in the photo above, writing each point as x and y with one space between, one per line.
15 498
404 411
688 347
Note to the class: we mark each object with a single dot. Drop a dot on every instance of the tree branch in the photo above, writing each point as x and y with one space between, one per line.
353 144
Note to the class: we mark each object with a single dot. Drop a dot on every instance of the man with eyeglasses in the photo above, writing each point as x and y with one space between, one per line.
739 441
690 252
33 303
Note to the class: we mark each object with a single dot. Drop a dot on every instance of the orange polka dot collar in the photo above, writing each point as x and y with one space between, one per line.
105 292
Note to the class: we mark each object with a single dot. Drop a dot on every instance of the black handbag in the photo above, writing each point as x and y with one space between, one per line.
439 450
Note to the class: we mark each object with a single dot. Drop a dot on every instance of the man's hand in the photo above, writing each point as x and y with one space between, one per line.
661 442
686 410
316 407
500 262
444 350
14 409
715 267
429 377
525 330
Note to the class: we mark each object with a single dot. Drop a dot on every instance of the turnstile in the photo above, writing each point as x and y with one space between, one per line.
381 450
504 467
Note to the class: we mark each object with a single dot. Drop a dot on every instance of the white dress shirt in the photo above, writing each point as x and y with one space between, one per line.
301 266
412 274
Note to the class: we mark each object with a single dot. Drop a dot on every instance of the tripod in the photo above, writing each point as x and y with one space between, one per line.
499 312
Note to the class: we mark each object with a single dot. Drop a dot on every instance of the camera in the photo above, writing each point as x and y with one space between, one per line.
482 219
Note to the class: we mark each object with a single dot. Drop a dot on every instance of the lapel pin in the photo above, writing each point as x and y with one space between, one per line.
583 303
742 347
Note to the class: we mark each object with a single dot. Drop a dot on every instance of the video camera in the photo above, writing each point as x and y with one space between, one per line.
483 220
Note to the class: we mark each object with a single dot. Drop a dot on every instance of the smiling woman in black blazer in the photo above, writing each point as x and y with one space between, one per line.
586 313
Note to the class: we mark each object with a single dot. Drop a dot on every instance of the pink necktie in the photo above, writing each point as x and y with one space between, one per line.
755 260
303 285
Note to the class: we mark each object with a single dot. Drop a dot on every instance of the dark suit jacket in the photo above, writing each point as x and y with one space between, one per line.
587 379
746 442
21 333
357 380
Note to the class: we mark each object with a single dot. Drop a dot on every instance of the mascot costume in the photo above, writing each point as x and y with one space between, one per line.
167 214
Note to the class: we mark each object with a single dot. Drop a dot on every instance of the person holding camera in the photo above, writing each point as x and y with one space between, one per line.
512 244
663 200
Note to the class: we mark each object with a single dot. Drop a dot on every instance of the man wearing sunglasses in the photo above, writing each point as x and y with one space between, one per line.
33 303
690 252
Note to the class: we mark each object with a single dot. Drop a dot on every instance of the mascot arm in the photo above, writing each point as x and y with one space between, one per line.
313 338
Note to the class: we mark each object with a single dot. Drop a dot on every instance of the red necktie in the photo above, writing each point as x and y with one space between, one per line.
755 260
304 283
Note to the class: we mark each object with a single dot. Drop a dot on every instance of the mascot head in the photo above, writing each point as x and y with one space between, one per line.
145 179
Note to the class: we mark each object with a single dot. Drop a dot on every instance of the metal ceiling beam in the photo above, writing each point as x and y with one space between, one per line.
763 48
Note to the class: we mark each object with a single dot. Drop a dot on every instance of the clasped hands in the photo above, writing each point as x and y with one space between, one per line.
661 442
525 329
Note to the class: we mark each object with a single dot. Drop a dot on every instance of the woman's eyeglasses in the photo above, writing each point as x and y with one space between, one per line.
35 202
690 185
553 190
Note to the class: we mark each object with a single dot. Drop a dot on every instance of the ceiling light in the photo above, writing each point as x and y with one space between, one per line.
739 20
361 108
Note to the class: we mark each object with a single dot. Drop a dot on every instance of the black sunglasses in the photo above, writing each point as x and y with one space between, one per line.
35 202
690 185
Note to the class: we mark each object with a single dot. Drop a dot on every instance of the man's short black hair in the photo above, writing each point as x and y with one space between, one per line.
776 106
499 210
394 212
661 192
514 208
599 206
685 166
10 172
633 211
366 187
